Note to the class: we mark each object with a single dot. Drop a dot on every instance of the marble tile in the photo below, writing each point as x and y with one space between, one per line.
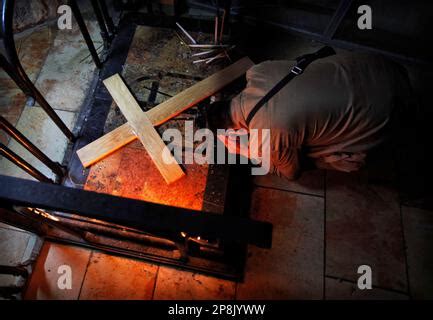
65 78
32 47
173 284
102 175
363 227
16 247
310 182
43 283
345 290
418 231
13 245
293 268
117 278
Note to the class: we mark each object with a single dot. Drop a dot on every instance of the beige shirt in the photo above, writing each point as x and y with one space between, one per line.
340 104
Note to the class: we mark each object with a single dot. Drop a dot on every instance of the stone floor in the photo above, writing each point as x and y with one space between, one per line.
58 63
326 224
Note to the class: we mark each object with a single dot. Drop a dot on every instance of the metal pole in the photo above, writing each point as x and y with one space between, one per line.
107 17
85 32
100 18
23 164
18 136
14 270
9 69
9 44
337 18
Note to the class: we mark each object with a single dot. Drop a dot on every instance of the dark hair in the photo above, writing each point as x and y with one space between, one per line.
218 115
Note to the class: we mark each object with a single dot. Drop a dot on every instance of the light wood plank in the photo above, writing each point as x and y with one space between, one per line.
123 135
144 129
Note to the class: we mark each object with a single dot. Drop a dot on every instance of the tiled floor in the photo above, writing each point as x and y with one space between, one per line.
325 225
318 243
17 247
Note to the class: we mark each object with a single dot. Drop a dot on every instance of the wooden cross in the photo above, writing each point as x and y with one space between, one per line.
141 124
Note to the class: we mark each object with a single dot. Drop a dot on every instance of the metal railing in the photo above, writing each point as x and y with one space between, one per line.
13 67
26 143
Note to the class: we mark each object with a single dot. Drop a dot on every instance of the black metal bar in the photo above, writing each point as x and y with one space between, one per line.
141 215
8 292
107 17
26 143
12 55
9 69
337 18
101 22
23 164
14 270
85 32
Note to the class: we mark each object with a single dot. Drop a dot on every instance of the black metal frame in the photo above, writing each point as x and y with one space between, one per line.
9 69
16 72
140 215
145 230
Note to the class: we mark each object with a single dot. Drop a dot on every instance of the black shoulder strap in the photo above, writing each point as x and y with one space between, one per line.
301 63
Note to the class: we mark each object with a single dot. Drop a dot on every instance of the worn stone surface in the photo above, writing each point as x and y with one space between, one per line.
138 178
363 227
64 80
160 49
345 290
13 244
174 284
156 55
35 124
311 182
102 175
30 13
293 268
16 247
116 278
43 283
32 47
418 231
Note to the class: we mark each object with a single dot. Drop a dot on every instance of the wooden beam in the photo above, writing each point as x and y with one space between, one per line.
123 135
144 129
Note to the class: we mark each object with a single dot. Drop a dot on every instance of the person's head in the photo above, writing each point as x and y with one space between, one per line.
218 116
